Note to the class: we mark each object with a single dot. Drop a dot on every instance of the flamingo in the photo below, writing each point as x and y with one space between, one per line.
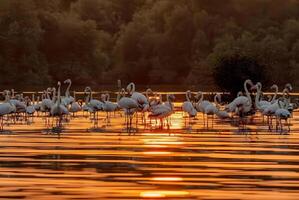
270 110
275 87
108 106
30 109
6 108
75 107
222 114
201 104
243 102
93 105
130 106
210 110
188 106
36 103
282 114
58 109
68 99
47 102
260 105
241 105
163 111
138 97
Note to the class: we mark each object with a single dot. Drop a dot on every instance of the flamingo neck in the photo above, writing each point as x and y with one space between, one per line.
58 95
188 96
7 98
54 95
160 98
257 97
275 95
47 94
200 99
284 92
67 92
37 101
118 95
247 92
279 103
170 102
146 94
132 88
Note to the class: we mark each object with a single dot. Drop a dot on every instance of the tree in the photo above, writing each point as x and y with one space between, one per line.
231 72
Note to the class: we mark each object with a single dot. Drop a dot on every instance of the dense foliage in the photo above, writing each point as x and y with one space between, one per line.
146 41
230 72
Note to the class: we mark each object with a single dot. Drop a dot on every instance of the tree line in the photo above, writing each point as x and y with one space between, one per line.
148 41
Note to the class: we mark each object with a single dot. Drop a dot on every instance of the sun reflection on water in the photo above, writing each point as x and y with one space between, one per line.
163 194
167 179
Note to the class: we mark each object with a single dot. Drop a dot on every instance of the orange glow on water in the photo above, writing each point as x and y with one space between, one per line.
151 164
167 179
161 194
156 153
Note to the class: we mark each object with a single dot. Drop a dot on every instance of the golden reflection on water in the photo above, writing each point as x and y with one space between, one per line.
185 161
159 194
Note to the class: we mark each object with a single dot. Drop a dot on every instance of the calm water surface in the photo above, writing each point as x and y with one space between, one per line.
186 161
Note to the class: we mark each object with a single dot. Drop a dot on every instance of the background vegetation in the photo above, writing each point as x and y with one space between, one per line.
147 41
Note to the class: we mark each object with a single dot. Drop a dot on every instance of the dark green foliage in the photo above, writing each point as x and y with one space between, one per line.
146 41
231 72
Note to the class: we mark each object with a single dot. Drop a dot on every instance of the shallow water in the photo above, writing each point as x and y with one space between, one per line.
186 161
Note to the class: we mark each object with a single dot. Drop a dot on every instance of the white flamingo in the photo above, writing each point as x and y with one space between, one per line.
282 114
138 97
47 102
222 114
68 99
130 106
163 111
242 103
210 110
58 109
270 110
93 106
260 105
188 106
75 107
6 108
275 87
108 106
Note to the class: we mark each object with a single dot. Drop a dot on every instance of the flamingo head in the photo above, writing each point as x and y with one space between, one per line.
58 83
67 81
248 81
198 95
87 89
274 87
119 83
289 87
218 96
103 97
131 87
6 92
149 91
171 97
123 92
